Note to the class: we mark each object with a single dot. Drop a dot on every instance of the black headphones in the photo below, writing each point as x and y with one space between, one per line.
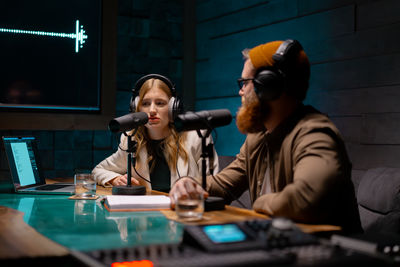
270 82
175 106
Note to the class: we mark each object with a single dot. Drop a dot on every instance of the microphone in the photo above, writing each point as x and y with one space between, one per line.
206 119
128 122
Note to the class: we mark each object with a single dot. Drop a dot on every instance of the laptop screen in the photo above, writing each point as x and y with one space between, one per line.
21 154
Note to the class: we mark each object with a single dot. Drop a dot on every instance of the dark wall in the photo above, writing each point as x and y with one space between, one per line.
352 45
355 72
149 40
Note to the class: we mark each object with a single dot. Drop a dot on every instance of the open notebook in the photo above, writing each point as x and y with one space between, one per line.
26 173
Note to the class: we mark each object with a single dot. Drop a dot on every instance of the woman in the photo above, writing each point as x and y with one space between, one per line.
163 155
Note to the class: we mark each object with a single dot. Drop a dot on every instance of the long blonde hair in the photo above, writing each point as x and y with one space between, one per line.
173 143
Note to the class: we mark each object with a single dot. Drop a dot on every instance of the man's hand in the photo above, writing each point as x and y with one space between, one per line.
123 180
185 187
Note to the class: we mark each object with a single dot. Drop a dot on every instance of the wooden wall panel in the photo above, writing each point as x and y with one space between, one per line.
349 127
230 145
377 13
218 78
346 102
231 103
315 6
367 42
263 14
208 9
381 129
229 140
319 26
363 72
365 157
352 46
224 63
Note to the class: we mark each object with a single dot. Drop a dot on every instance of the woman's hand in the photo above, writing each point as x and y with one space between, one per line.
184 187
123 180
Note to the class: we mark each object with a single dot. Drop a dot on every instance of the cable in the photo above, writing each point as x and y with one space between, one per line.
134 167
177 156
119 142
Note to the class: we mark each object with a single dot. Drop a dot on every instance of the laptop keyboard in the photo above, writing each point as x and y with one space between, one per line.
51 187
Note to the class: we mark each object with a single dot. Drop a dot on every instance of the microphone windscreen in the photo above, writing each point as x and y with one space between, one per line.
128 122
206 119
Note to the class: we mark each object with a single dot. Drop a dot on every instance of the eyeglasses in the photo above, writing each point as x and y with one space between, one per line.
242 82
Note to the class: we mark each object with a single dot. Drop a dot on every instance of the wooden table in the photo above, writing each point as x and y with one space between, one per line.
18 239
232 214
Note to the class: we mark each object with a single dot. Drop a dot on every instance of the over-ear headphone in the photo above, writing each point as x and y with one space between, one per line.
175 106
270 82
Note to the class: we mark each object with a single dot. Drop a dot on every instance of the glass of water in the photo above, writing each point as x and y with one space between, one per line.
189 208
85 186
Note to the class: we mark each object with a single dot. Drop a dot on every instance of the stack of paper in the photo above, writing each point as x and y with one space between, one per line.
147 202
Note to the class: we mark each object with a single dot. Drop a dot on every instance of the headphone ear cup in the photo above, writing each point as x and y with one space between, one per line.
268 85
136 103
133 104
286 54
175 107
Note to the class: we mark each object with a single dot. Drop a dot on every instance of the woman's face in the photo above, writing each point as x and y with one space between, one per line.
155 104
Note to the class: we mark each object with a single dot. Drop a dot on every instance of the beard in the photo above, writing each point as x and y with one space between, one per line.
251 115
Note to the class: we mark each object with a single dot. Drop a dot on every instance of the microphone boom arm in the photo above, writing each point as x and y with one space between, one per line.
207 151
131 149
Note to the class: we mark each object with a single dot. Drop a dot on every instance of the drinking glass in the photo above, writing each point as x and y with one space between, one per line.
189 208
85 186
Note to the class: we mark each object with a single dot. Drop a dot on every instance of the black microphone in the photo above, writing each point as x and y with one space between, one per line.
206 119
128 122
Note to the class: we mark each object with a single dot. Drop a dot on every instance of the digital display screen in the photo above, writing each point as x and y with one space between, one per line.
225 233
51 55
21 156
23 163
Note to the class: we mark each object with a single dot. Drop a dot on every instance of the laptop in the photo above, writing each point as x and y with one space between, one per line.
26 173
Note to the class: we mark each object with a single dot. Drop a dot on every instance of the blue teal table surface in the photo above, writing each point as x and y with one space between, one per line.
86 225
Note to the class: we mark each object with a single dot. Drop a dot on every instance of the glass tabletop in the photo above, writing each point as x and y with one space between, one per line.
86 225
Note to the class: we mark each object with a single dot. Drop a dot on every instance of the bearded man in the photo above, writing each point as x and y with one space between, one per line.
293 160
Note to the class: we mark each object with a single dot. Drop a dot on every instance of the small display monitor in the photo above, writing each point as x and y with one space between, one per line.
224 233
51 55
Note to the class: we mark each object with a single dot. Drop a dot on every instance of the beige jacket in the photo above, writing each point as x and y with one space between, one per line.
310 172
116 164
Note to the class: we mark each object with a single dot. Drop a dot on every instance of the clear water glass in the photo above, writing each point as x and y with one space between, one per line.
85 186
189 208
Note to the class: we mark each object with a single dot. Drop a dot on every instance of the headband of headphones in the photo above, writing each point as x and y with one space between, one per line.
175 106
142 80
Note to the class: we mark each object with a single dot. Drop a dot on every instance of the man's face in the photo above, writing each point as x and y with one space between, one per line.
248 72
251 115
